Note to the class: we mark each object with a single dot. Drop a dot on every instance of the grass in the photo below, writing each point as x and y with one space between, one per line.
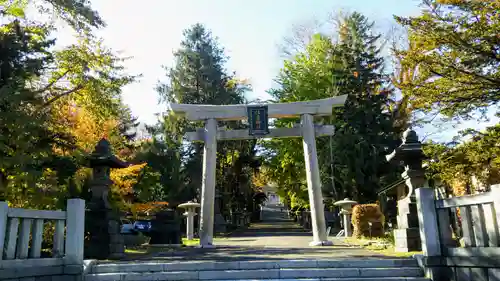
135 251
194 242
383 246
144 250
141 252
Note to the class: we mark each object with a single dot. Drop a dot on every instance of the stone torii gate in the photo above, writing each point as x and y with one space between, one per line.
258 116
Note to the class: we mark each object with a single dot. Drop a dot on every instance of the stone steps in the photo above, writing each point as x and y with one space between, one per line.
312 270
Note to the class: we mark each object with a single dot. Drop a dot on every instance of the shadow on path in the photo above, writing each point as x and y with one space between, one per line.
275 238
225 253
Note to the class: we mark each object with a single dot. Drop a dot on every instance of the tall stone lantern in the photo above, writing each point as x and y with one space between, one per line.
410 155
190 207
346 211
102 223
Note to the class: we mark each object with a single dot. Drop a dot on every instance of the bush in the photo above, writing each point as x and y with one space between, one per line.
361 216
136 239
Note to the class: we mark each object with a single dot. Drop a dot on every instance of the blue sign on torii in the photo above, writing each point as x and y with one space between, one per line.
258 120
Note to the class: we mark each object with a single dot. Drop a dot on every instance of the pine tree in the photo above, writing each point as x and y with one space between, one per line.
198 76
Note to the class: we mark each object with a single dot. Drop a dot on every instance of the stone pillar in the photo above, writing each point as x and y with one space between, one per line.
347 223
165 228
190 224
314 182
208 184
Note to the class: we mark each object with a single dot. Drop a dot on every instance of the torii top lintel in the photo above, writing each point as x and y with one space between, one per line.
196 112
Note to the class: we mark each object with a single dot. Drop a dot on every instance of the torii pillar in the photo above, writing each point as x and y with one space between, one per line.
208 184
320 237
308 131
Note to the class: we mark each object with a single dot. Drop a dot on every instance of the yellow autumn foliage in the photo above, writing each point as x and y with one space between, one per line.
88 130
124 179
140 209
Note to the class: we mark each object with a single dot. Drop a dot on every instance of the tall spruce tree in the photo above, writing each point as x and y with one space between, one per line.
199 77
365 125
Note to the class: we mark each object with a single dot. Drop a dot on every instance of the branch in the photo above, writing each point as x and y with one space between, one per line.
63 94
477 75
52 83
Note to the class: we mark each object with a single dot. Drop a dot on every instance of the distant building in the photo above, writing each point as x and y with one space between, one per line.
272 197
142 132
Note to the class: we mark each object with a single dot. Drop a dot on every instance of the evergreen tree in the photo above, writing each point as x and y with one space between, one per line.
364 125
199 77
127 127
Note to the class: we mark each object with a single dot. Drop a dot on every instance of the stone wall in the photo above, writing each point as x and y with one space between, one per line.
43 273
461 268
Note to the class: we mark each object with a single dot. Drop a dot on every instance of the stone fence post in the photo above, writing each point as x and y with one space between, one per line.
4 207
75 231
428 222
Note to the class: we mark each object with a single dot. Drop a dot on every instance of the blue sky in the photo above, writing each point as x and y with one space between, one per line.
249 30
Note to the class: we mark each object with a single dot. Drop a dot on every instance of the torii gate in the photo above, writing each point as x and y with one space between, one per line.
258 119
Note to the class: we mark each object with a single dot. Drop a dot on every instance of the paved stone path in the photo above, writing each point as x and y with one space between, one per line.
275 230
275 238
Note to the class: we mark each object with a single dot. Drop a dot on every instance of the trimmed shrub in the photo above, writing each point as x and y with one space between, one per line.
362 215
135 239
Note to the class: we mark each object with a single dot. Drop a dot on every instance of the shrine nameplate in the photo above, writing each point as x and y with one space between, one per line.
258 120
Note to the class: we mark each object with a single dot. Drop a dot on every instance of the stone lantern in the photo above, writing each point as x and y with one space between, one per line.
219 220
190 207
410 155
346 211
101 221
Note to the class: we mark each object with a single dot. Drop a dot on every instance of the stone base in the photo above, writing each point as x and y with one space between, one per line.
105 240
407 240
321 243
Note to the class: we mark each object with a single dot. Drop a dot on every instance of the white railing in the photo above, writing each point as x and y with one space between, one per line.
21 235
480 217
473 258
